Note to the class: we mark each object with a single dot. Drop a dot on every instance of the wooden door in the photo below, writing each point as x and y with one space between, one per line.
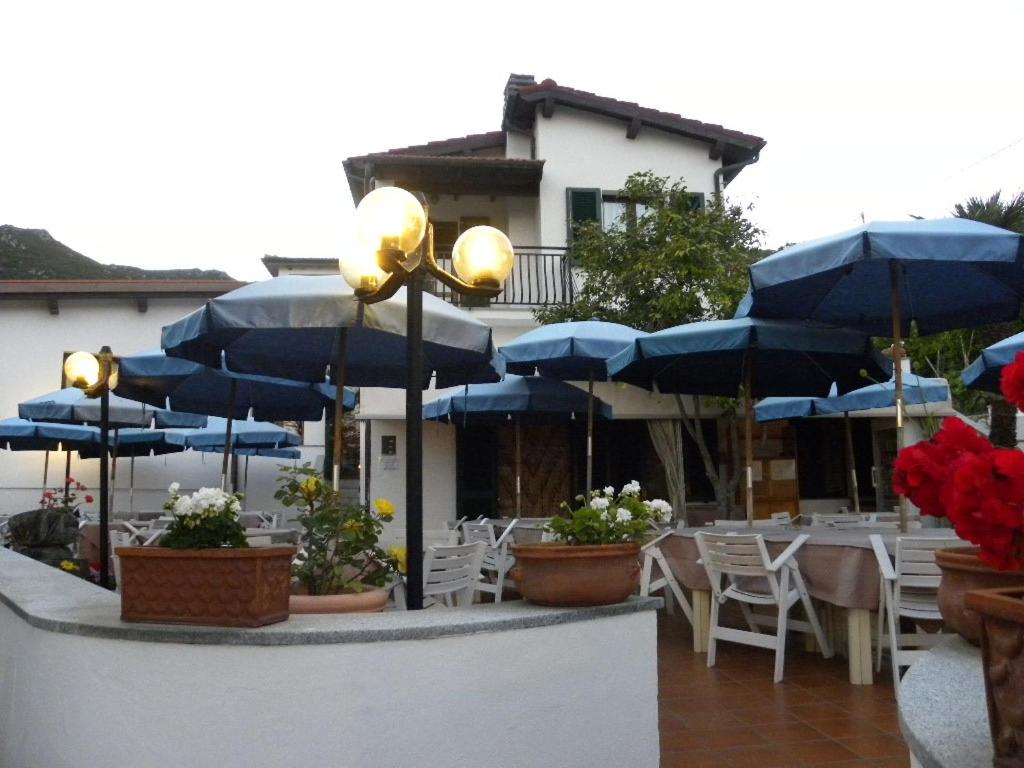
776 482
546 456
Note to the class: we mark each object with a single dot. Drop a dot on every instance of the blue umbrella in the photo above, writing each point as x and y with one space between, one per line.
986 372
572 351
155 378
74 406
880 277
763 357
289 454
518 396
244 434
25 435
917 391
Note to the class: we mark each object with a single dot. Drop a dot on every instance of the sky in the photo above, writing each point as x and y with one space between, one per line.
207 134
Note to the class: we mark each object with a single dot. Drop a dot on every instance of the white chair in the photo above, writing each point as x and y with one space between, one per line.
742 560
451 574
444 537
839 520
763 522
649 583
497 561
909 590
118 539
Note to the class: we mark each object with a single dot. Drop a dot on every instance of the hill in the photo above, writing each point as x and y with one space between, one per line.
33 254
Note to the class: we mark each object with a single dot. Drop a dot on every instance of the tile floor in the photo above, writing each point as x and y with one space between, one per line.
733 716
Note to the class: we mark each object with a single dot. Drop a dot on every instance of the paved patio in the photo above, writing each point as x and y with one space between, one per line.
733 716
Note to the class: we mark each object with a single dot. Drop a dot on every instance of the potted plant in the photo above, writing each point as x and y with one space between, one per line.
204 571
594 558
340 567
48 533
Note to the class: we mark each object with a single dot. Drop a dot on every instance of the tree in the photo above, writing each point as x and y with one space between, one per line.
947 354
666 262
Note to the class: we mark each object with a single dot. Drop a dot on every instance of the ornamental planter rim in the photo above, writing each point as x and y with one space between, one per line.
557 551
233 553
1006 603
964 559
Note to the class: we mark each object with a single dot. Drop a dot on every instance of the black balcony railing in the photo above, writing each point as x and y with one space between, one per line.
540 276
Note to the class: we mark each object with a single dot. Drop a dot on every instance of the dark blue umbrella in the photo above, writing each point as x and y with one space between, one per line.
529 397
74 406
761 357
244 434
25 435
985 372
155 378
880 277
572 351
288 327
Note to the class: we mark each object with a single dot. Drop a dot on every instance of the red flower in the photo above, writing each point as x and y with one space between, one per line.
69 481
48 494
987 506
1011 383
88 499
923 472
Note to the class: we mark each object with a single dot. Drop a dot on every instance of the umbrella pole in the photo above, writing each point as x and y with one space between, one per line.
67 474
245 482
131 487
897 361
749 446
113 470
339 407
519 472
46 469
227 435
590 433
851 464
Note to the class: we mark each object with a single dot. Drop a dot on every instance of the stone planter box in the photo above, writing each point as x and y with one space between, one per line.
228 587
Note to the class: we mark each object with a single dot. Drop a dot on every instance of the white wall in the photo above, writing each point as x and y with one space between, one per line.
576 694
32 343
581 149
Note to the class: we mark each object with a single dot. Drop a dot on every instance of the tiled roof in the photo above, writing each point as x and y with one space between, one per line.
474 142
10 289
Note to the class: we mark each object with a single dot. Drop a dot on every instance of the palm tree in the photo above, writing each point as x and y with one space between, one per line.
1008 215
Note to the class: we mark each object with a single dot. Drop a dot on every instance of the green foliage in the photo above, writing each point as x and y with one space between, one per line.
668 264
205 520
609 518
340 551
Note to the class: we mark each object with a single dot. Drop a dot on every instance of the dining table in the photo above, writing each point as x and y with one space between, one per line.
838 565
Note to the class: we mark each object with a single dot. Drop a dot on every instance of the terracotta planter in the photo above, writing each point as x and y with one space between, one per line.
962 572
370 600
1002 649
557 574
220 587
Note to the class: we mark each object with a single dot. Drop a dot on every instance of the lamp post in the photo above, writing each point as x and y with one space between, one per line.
97 375
395 246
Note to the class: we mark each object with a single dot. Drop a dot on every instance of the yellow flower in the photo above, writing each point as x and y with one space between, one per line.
400 554
385 508
67 565
310 486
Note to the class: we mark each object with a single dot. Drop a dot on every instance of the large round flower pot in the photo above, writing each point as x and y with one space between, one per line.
224 587
558 574
370 600
962 572
1002 647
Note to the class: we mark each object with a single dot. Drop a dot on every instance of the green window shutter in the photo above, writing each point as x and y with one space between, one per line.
582 205
696 201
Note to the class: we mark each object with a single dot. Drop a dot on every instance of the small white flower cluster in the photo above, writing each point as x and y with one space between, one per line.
662 509
631 488
599 502
206 502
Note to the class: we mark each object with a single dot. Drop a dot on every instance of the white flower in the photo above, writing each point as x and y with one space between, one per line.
599 503
623 515
631 488
661 508
609 490
173 488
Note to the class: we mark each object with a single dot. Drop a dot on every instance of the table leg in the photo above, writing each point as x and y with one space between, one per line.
858 640
701 620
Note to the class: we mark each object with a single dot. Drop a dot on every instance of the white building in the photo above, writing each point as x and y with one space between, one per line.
561 156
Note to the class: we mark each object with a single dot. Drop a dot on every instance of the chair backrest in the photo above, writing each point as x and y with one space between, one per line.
478 532
735 555
782 518
452 572
764 522
439 537
840 520
917 575
118 539
890 517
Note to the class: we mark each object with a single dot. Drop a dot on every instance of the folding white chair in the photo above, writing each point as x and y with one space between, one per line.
839 520
763 522
451 574
118 539
653 556
909 590
742 560
497 561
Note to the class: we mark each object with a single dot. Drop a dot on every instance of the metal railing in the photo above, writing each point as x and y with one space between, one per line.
540 276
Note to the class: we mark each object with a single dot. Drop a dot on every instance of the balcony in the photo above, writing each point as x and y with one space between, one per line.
540 276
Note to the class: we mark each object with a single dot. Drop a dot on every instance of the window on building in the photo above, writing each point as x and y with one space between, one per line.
611 209
582 205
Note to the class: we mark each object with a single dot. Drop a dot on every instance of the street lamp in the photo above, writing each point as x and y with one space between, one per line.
97 375
394 247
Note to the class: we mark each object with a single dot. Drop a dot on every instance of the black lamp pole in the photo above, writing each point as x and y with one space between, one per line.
104 491
414 440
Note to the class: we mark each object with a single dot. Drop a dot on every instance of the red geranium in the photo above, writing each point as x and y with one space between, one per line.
1011 383
88 499
987 506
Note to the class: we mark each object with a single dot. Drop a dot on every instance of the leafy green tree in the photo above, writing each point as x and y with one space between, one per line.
665 263
947 354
